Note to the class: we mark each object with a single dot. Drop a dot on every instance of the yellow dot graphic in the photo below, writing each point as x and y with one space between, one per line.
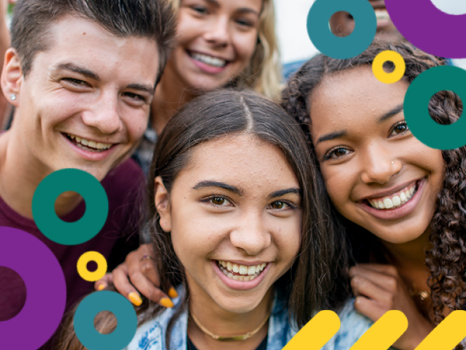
101 266
398 61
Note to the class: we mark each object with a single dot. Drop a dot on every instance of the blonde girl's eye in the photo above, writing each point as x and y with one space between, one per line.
399 128
336 153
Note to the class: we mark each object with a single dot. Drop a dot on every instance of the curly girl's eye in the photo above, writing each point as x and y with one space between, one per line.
337 153
399 129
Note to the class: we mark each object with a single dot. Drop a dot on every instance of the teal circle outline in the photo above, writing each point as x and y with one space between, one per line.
331 45
417 98
70 233
88 309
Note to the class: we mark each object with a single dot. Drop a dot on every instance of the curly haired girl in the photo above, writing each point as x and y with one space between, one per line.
401 202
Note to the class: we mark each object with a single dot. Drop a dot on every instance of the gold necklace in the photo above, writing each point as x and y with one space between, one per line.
230 338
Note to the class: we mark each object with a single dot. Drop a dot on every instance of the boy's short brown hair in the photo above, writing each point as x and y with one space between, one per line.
153 19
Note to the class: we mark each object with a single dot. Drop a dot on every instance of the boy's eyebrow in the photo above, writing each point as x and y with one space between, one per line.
204 184
80 70
391 113
146 88
283 192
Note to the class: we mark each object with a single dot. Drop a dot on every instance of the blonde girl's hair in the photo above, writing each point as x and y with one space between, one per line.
263 74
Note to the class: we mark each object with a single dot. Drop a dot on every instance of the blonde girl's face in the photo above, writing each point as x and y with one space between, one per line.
216 41
377 174
235 221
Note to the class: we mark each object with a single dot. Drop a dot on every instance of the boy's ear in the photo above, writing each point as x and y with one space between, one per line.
12 77
162 204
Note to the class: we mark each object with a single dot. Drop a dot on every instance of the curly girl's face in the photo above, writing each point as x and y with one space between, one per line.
377 174
235 221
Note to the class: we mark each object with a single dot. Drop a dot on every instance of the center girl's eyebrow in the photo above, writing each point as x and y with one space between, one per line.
283 192
204 184
242 10
341 133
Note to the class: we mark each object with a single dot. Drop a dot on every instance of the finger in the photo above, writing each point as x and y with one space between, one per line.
122 285
147 288
104 282
389 270
368 308
364 287
386 282
136 263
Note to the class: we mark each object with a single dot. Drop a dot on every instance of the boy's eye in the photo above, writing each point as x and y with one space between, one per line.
75 81
135 96
399 129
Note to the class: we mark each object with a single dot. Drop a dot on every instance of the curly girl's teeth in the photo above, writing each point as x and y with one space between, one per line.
381 14
240 272
394 201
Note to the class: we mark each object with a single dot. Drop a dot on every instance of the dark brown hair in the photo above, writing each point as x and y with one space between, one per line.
447 258
321 261
153 19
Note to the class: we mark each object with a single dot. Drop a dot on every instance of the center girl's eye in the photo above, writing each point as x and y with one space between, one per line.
279 205
218 200
399 128
336 153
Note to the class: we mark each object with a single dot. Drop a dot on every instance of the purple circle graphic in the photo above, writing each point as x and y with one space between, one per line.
428 28
46 290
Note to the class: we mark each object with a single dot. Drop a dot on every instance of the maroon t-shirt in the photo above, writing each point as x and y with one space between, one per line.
124 186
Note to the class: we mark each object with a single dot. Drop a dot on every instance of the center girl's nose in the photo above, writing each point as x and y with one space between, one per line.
378 165
218 32
251 235
104 115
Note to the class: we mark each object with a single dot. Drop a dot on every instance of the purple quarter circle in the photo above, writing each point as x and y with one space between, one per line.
428 28
45 285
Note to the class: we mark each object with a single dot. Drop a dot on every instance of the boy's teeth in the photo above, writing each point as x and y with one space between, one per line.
212 61
90 144
240 272
394 201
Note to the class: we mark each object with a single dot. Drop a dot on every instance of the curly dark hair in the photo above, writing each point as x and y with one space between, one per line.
447 257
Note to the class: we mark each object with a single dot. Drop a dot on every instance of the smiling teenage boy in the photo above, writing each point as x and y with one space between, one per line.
81 74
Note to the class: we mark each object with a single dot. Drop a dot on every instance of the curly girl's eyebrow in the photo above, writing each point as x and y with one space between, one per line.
391 113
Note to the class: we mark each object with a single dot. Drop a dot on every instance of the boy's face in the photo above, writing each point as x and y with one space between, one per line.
85 102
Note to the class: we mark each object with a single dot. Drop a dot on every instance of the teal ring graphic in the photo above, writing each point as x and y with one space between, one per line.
88 309
341 47
70 233
417 98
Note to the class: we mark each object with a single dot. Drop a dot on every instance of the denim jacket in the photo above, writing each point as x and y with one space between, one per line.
151 335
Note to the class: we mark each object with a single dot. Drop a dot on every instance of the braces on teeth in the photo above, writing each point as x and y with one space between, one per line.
240 272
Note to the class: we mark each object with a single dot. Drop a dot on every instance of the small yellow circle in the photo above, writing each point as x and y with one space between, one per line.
398 61
101 266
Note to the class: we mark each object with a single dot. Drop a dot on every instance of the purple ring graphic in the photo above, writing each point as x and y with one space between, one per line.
428 28
45 285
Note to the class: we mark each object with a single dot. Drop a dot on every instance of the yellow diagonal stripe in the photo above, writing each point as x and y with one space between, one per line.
316 333
384 332
447 334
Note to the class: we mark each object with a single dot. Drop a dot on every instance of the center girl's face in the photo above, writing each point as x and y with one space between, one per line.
217 39
235 220
377 174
